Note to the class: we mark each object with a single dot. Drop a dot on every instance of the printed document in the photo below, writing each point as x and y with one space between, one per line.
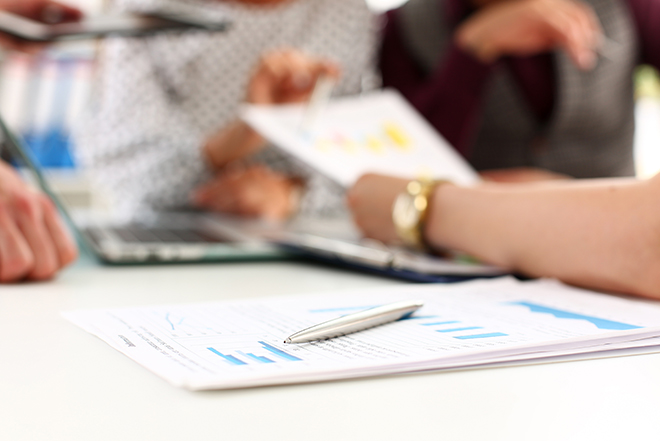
378 132
241 343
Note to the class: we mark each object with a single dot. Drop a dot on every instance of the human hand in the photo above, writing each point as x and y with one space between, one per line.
45 11
236 141
255 191
34 244
281 77
371 200
527 27
287 76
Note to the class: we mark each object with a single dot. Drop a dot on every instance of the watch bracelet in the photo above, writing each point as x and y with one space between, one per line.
415 237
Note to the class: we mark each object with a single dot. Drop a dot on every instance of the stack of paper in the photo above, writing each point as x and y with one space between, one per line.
240 344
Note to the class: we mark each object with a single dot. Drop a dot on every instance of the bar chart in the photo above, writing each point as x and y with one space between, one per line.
459 330
269 354
600 323
378 139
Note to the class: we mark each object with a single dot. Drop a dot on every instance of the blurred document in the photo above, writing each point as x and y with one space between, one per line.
378 132
240 344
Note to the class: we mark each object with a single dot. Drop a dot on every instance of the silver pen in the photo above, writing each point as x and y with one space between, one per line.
357 321
319 99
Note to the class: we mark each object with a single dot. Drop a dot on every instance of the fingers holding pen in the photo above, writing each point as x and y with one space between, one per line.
287 76
281 77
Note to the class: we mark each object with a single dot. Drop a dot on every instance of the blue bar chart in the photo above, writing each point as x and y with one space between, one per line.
229 358
268 354
562 314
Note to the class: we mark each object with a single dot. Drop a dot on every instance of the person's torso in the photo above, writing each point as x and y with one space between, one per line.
207 74
590 131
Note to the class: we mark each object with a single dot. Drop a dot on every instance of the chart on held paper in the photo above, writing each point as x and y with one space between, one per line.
377 132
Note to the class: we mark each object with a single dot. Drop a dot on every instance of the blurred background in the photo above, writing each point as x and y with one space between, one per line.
42 96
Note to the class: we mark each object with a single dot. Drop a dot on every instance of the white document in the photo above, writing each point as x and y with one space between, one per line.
240 344
377 132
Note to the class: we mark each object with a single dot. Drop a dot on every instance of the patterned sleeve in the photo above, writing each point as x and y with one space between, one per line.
155 104
135 141
323 197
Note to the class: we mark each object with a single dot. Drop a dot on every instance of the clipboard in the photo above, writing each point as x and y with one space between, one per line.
128 25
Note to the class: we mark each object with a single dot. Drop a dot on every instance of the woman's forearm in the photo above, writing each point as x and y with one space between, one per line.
602 234
236 141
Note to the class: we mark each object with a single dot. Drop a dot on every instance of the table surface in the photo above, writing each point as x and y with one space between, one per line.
59 383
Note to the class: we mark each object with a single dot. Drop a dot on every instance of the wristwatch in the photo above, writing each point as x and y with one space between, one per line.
410 210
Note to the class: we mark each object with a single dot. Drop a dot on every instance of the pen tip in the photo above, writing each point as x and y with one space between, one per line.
288 340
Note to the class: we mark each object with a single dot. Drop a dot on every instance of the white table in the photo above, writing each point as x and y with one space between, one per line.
59 383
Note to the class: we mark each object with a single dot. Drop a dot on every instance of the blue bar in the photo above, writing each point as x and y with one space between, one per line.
469 328
419 317
440 323
492 334
279 352
262 359
598 322
254 357
230 358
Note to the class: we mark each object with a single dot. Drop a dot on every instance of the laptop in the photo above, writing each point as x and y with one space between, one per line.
155 237
204 237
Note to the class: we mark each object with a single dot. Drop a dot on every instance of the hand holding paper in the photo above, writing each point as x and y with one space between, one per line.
288 76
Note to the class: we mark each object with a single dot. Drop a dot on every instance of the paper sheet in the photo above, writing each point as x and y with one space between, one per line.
378 132
240 344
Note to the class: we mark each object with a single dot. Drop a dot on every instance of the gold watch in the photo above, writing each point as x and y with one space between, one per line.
410 210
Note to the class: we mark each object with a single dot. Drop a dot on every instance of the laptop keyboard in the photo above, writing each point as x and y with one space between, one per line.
141 234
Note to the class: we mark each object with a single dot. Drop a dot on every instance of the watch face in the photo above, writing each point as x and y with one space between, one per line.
405 214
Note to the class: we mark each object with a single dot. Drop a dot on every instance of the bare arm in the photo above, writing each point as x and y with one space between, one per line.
601 234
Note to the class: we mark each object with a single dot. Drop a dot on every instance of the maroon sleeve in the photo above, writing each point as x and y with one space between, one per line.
646 14
450 97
